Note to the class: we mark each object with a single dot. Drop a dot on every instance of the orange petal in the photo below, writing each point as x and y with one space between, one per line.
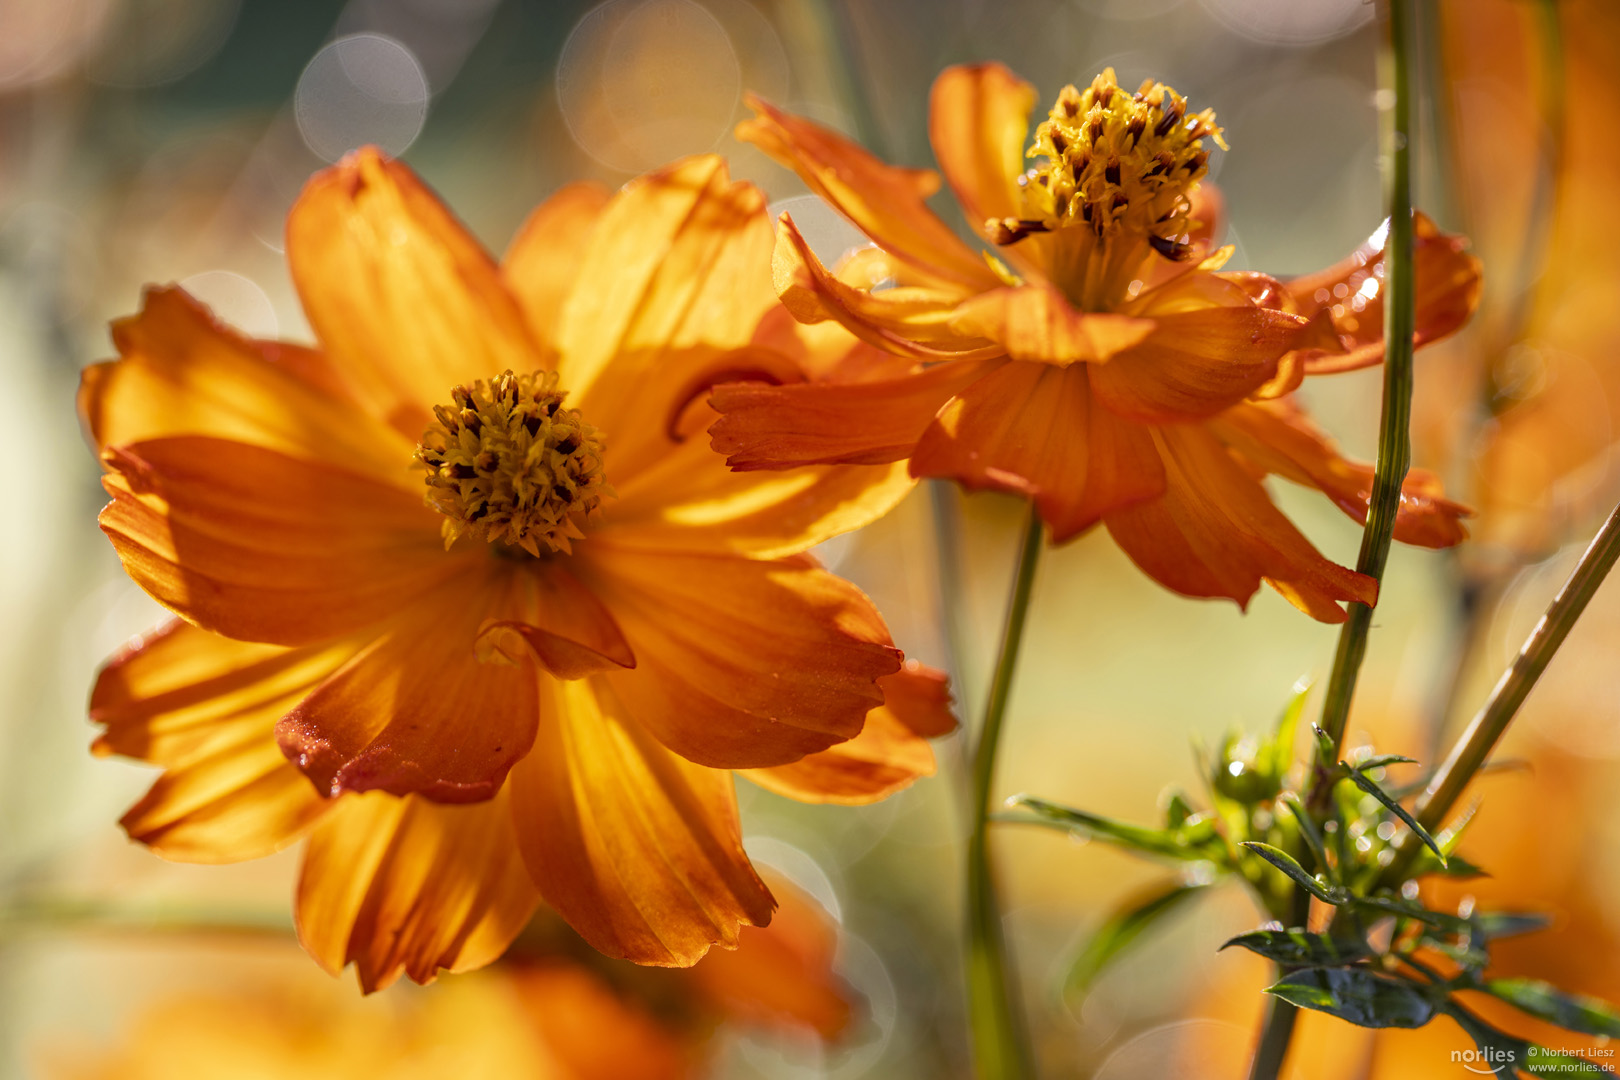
264 547
564 626
889 754
1279 438
777 427
416 711
691 502
782 975
1035 322
406 886
639 849
401 296
978 125
1034 430
887 203
1347 298
742 662
1211 348
674 277
205 707
182 373
1215 532
543 261
595 1033
916 322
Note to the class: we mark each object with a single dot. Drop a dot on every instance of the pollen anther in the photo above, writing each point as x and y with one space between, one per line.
1117 161
508 464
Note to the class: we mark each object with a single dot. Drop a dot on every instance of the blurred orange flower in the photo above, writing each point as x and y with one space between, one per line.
1099 361
641 620
543 1016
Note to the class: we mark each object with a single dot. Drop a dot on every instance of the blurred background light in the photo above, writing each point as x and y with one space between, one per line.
150 42
1290 22
360 89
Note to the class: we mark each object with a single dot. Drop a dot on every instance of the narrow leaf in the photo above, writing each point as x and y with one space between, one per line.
1365 783
1280 751
1300 948
1575 1012
1379 761
1307 830
1358 995
1121 930
1287 864
1492 925
1407 909
1189 842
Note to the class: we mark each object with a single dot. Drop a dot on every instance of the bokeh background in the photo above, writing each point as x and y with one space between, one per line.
163 140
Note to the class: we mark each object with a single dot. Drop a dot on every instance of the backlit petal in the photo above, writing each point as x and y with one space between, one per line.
978 125
1035 430
264 547
887 203
674 278
692 502
592 1030
182 373
911 321
406 886
1348 297
1214 532
776 427
205 707
889 754
542 263
739 662
417 711
1211 348
404 299
1279 438
561 624
639 849
1035 322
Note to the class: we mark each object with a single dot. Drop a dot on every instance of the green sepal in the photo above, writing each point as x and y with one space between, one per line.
1120 931
1302 948
1367 784
1359 995
1573 1012
1328 894
1195 840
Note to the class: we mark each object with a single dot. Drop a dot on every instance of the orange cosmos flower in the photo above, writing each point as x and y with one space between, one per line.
1099 362
481 641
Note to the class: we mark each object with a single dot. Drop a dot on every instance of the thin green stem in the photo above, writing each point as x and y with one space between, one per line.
1475 746
1000 1048
77 913
1394 435
1394 457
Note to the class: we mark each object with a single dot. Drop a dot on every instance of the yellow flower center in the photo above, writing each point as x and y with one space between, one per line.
1115 162
507 463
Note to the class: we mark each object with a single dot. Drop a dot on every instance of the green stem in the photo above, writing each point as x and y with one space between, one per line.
1476 744
1000 1050
1394 435
75 913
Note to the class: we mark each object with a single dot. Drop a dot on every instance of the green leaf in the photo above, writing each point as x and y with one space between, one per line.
1193 841
1301 948
1575 1012
1358 995
1379 761
1492 925
1365 783
1455 866
1329 894
1307 831
1509 1054
1407 909
1121 930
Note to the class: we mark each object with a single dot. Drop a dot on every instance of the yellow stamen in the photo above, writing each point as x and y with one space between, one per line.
507 463
1115 162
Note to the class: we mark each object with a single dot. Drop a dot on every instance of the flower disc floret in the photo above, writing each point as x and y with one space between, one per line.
1115 161
509 464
